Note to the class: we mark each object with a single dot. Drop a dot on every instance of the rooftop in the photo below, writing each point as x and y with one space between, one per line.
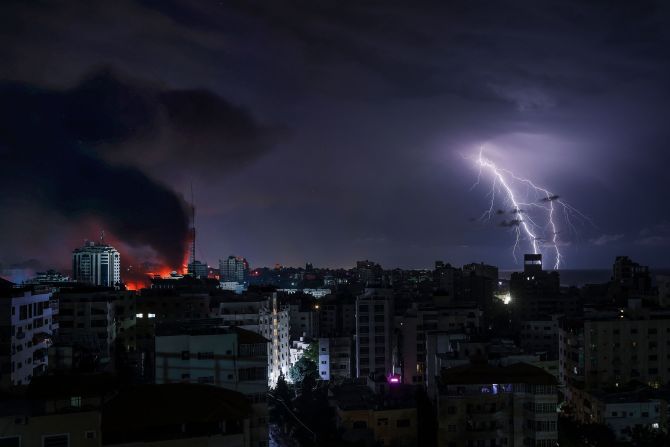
474 374
153 411
210 326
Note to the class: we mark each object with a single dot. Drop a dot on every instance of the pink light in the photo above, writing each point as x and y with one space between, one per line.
394 379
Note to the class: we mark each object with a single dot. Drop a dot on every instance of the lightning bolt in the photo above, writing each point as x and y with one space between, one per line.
525 226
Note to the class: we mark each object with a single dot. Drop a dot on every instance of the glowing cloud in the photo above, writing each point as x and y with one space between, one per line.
533 210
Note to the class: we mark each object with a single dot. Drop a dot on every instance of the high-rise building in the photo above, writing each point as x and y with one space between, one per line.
335 355
96 263
274 324
536 293
614 347
487 405
26 319
87 319
369 273
264 314
198 269
234 269
225 357
374 331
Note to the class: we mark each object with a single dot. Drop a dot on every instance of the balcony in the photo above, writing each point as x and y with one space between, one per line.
40 356
42 337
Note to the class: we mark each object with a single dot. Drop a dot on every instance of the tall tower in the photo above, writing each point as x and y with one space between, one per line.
97 264
195 268
192 248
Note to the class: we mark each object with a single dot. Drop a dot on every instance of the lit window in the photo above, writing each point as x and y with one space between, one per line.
151 315
139 315
75 401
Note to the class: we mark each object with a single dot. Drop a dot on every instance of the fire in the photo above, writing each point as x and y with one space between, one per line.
139 275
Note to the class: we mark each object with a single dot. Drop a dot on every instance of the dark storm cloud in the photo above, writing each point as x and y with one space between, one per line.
192 129
55 147
382 98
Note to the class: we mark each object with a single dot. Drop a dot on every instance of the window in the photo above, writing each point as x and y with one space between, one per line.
205 355
451 428
56 440
75 401
139 315
252 374
90 434
360 424
185 355
382 422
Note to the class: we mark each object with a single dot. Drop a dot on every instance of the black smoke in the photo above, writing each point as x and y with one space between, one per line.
66 151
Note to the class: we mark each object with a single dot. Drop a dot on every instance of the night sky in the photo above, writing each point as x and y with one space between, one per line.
329 131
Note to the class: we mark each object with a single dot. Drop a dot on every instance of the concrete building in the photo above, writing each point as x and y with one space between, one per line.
536 293
369 273
374 332
448 280
298 348
483 405
198 269
375 412
337 316
54 411
274 324
226 357
264 314
234 268
335 358
26 331
87 319
97 264
623 408
304 316
178 415
418 322
155 306
615 347
540 336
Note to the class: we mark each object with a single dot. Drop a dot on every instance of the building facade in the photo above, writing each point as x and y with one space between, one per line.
97 264
88 319
483 405
234 268
231 358
26 328
615 347
374 332
274 324
335 358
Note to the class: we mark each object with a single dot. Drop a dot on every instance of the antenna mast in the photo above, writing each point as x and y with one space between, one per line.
192 260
